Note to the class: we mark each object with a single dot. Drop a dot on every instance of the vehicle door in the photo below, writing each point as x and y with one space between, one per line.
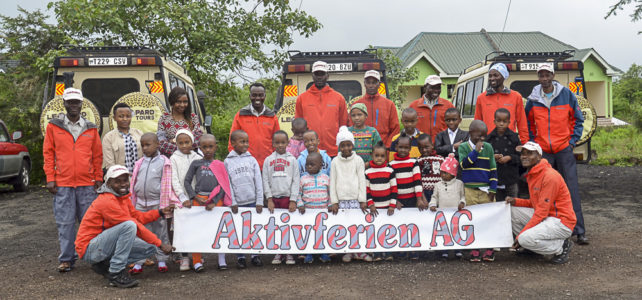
9 154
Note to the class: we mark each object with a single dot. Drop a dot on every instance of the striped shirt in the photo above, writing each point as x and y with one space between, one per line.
408 177
381 186
314 191
430 173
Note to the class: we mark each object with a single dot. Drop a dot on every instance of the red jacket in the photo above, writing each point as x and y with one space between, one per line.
69 163
325 111
108 211
549 196
431 121
259 129
489 101
382 115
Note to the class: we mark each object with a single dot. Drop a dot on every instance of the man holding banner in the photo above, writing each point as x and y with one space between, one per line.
544 223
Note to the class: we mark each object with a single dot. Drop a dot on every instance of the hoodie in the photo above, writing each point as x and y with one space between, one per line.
245 179
555 125
281 176
347 179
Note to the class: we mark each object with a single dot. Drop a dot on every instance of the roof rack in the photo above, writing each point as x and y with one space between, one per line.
528 56
144 49
298 55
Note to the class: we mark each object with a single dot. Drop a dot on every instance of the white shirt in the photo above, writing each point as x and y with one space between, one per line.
75 128
472 146
451 136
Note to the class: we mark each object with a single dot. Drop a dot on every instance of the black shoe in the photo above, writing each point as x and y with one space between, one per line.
582 239
240 263
122 279
102 268
256 261
525 252
563 257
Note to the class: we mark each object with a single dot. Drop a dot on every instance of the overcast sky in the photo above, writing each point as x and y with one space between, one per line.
355 24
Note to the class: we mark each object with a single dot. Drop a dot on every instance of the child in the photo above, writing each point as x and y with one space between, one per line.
314 192
408 176
348 182
448 141
504 142
247 187
121 146
151 187
365 137
429 164
409 121
211 185
280 180
311 141
449 192
381 188
296 145
479 174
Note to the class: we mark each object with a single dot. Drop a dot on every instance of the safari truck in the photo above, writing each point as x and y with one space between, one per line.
139 76
523 77
346 70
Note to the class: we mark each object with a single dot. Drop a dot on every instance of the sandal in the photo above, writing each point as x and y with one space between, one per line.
64 266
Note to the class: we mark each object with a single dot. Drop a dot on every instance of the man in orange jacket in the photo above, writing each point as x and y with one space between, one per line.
382 113
73 158
323 108
259 122
498 96
112 233
544 223
431 109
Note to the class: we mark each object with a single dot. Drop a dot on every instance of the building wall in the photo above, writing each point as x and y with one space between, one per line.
425 69
598 87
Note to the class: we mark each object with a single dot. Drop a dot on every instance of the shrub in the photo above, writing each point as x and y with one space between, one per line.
620 146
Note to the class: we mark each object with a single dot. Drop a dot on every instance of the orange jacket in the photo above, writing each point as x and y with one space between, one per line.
69 163
259 129
108 211
431 121
325 111
549 196
489 101
382 115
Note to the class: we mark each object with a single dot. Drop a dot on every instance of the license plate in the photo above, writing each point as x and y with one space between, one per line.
107 61
531 66
343 67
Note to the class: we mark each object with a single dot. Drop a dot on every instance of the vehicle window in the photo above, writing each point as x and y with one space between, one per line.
103 93
4 136
193 102
460 97
173 82
524 87
450 89
348 88
479 88
468 100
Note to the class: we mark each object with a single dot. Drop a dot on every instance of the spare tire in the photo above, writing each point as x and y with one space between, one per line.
590 120
55 108
146 111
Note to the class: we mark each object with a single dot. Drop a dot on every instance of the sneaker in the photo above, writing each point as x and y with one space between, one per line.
101 268
277 259
444 255
289 260
162 267
149 262
256 261
489 255
184 264
64 267
137 269
413 255
122 279
347 258
222 267
308 259
363 256
562 258
458 254
240 263
324 258
301 257
474 256
377 256
388 256
198 267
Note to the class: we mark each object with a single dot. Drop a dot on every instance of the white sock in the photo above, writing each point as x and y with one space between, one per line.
137 267
161 264
221 259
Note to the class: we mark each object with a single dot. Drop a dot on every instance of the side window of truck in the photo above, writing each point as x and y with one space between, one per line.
460 97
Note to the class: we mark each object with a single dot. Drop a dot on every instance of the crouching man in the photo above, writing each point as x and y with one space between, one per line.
544 223
112 234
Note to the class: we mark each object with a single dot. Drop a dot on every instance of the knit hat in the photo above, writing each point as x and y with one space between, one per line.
450 165
360 106
184 131
501 68
344 135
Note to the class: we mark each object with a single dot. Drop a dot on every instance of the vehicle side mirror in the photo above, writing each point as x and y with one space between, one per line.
208 121
16 135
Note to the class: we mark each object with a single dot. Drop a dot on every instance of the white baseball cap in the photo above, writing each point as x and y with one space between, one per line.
532 146
372 73
546 67
72 94
433 80
320 66
115 171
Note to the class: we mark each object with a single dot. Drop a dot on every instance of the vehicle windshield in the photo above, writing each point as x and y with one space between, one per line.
348 88
104 92
524 87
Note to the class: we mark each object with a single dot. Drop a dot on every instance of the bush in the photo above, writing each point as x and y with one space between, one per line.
619 146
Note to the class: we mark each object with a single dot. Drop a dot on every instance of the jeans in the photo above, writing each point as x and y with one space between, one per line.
545 238
158 227
69 206
120 245
564 162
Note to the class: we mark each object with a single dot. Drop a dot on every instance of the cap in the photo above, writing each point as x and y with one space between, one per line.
372 73
546 67
433 80
115 171
72 94
532 146
320 66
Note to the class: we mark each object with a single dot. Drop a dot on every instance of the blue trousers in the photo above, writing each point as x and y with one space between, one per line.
564 162
69 206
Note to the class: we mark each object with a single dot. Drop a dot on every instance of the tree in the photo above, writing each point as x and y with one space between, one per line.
396 76
619 6
627 96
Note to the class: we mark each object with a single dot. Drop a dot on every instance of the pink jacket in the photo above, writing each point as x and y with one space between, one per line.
167 195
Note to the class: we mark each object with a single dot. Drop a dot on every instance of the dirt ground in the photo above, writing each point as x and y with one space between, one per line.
610 267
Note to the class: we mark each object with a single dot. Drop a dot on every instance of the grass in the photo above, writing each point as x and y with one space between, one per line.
618 146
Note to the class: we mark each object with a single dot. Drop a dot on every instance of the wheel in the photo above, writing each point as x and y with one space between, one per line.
22 181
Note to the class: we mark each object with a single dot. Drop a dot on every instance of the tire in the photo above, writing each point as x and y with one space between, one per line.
22 181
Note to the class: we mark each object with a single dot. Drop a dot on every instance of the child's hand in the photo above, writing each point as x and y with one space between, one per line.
505 159
461 206
259 209
167 210
422 204
491 197
373 210
498 157
187 203
235 209
364 207
334 208
433 208
399 205
456 145
292 206
270 205
210 206
510 200
479 145
302 209
391 210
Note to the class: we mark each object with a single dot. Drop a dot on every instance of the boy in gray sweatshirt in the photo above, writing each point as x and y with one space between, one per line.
246 182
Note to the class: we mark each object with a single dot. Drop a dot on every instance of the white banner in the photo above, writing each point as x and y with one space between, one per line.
317 231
